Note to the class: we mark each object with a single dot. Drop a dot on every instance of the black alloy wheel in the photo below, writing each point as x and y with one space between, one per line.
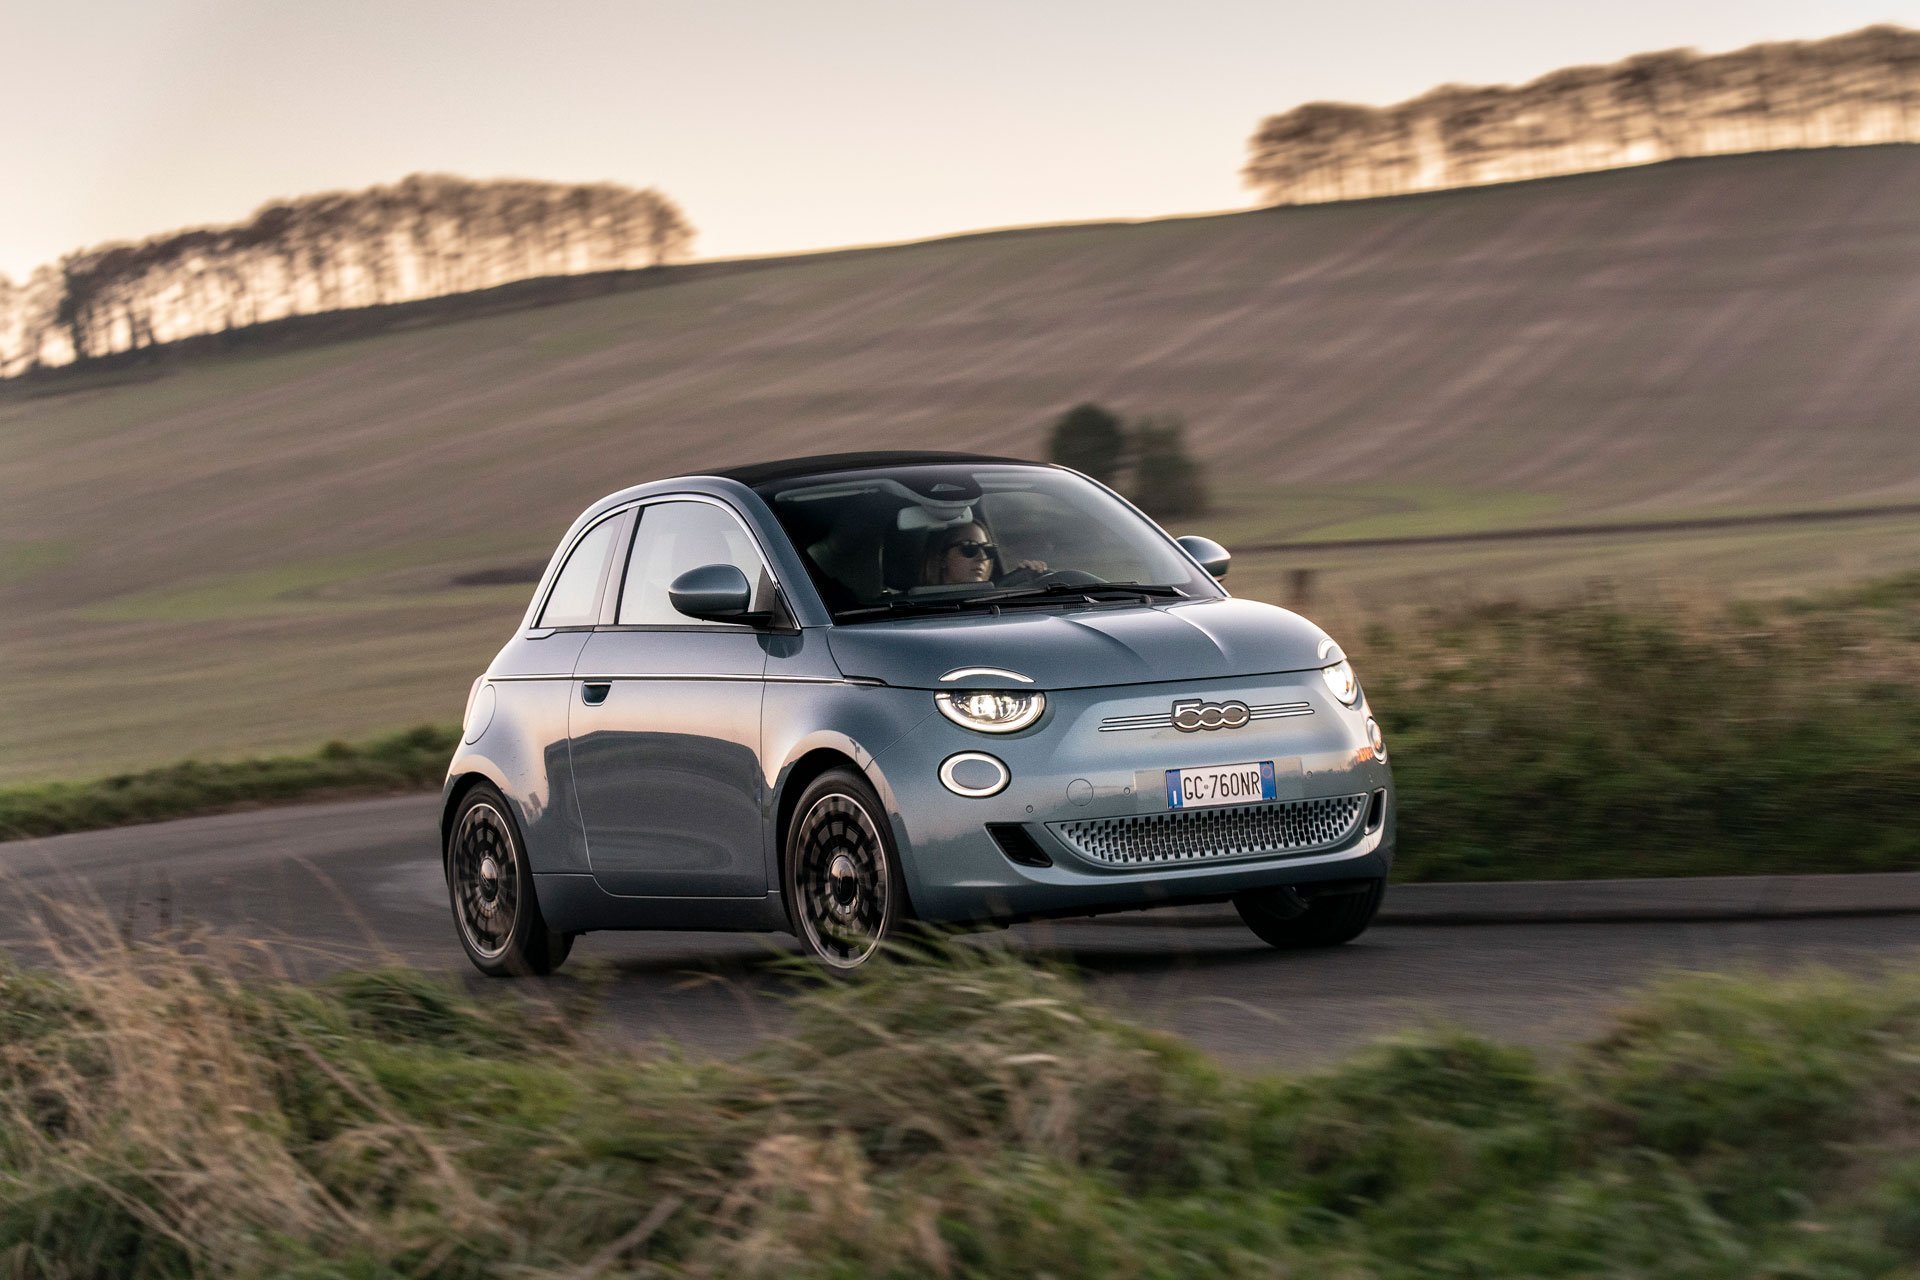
491 888
1309 916
842 880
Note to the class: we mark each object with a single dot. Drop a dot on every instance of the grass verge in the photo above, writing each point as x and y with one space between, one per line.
1589 740
962 1114
411 760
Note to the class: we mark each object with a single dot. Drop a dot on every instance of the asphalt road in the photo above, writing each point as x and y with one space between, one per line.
353 883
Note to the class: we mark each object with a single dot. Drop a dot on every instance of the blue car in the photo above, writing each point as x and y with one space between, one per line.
834 695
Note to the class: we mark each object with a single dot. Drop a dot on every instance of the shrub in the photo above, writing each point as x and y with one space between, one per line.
1166 480
1587 740
1091 440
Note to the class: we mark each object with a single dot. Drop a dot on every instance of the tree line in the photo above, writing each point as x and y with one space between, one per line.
425 236
1851 90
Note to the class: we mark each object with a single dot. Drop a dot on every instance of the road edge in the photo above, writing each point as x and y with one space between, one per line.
1680 898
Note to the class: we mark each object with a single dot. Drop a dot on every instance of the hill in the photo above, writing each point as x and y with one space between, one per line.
266 548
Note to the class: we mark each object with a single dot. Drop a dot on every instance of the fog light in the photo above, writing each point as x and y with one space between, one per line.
974 774
1376 739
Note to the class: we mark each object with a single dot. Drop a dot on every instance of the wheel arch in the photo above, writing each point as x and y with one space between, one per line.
458 787
801 774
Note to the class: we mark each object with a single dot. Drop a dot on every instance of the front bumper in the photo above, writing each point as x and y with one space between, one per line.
1094 803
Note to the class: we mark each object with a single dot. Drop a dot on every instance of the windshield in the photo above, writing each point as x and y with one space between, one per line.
958 536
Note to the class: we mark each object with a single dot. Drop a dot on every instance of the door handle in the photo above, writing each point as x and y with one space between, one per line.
594 693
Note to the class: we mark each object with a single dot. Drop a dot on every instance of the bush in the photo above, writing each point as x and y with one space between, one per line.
1091 440
1166 481
1587 740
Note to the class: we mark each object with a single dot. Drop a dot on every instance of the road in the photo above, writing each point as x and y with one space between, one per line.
356 882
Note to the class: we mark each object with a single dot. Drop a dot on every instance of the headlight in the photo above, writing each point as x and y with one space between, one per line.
991 711
1341 682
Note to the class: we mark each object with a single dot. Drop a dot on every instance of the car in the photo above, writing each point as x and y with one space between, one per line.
830 696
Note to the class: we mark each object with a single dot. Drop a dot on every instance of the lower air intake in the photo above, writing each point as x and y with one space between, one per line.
1295 826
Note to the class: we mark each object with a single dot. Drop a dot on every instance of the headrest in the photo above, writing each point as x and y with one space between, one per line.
933 516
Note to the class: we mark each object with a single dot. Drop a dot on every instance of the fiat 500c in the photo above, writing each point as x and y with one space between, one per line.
832 695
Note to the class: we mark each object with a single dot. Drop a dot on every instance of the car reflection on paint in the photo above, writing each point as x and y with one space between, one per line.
833 695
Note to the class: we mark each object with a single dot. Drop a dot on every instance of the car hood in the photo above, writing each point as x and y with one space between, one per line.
1080 648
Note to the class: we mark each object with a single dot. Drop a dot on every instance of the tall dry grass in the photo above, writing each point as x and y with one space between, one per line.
168 1111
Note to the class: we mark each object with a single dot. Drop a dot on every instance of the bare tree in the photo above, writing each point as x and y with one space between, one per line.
1851 90
426 235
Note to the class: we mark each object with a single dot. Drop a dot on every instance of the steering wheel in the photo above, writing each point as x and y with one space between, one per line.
1048 577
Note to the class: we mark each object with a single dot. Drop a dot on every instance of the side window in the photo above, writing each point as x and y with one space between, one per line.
675 537
575 598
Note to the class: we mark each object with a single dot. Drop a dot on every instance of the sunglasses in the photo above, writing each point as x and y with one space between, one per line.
973 550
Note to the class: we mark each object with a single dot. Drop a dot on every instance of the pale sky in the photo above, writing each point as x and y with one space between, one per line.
776 124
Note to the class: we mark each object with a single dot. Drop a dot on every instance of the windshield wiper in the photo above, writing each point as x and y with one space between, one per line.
1058 590
1018 595
902 608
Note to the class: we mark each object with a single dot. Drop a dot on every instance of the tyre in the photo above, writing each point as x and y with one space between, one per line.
491 889
1310 916
840 873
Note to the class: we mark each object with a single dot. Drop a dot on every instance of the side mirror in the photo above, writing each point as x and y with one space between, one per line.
714 593
1212 556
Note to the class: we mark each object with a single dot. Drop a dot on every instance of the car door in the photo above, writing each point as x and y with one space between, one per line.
664 726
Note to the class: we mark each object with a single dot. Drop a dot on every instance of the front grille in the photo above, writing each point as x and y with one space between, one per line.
1198 835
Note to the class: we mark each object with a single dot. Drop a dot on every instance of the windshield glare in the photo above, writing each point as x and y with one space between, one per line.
949 534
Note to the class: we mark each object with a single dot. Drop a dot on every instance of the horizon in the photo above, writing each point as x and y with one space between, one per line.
997 131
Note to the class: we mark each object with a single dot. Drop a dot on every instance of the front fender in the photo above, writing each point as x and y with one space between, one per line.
865 720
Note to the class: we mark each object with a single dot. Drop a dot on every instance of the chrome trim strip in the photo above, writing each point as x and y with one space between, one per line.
604 678
691 675
1164 719
961 673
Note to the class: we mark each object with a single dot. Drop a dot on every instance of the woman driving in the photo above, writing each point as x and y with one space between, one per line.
964 553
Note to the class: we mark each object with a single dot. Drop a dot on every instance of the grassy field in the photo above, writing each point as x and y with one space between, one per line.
1590 739
961 1114
261 551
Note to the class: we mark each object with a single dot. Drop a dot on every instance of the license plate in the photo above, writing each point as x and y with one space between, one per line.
1220 784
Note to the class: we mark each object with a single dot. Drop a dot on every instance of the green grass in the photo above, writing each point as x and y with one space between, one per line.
406 761
958 1114
1590 740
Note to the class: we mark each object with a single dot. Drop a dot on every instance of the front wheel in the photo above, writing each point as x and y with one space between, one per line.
491 888
841 875
1287 918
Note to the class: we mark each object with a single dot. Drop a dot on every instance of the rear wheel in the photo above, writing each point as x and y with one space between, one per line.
491 889
1309 916
841 875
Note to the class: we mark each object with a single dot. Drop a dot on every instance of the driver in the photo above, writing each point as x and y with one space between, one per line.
964 553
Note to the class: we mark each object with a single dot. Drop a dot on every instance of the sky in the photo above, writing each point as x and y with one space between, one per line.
776 124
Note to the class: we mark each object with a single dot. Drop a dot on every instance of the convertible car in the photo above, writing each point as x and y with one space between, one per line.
834 695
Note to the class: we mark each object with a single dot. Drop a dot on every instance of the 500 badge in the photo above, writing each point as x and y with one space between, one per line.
1191 715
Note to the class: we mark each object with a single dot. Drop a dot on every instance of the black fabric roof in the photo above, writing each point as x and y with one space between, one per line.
760 473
